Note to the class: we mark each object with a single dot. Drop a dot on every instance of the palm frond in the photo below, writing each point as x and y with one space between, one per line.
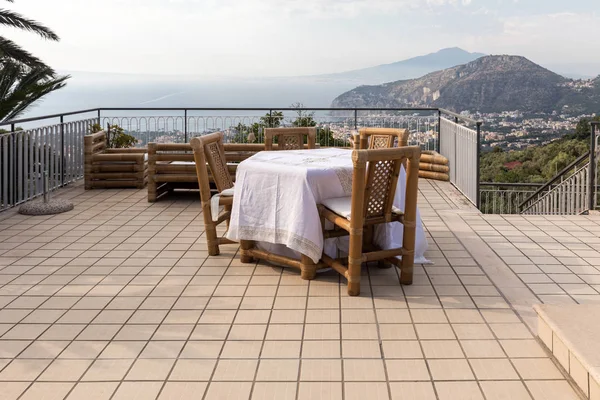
22 86
11 50
15 20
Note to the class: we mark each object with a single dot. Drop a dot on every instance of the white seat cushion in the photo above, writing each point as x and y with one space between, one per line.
339 205
343 205
227 192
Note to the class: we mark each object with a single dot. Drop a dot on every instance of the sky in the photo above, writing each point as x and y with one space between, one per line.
255 38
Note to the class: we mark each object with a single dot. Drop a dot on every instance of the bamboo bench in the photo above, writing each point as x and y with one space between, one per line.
171 165
113 168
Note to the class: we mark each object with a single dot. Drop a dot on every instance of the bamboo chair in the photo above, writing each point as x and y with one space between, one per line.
290 138
208 149
374 183
382 138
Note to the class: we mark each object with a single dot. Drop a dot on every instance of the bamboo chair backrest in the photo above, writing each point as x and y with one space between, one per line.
290 138
374 183
382 138
208 149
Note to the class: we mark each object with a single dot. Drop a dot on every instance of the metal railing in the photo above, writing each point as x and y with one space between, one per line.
462 146
25 155
504 198
569 197
563 194
54 143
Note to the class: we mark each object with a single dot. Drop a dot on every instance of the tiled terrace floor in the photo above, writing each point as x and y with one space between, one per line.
118 300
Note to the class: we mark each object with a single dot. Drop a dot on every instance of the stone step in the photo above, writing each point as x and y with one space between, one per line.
572 334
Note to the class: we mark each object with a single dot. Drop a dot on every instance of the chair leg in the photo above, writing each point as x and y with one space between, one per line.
246 245
309 268
212 240
354 265
406 269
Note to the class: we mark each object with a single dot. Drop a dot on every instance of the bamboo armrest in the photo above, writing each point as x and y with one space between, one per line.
126 151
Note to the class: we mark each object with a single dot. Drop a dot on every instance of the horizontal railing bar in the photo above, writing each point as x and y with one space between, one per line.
65 114
511 184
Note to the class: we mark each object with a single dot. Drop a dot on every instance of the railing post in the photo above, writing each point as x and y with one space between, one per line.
185 126
99 116
14 194
62 150
355 119
438 146
592 170
477 171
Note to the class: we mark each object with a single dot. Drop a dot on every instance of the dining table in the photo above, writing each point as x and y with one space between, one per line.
275 203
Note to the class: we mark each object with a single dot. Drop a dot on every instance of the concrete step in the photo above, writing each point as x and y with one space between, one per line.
572 334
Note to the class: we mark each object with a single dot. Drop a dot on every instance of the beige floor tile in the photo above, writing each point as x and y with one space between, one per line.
193 370
183 390
407 370
47 391
84 349
284 332
537 368
321 370
274 391
241 349
247 332
210 332
425 316
12 390
93 390
122 349
458 391
402 349
450 370
551 390
359 331
397 332
173 332
137 390
493 369
252 317
278 370
472 331
281 349
23 370
321 349
202 349
482 349
504 390
235 370
320 391
366 390
363 370
37 349
412 391
150 370
107 370
434 331
360 349
228 391
162 349
321 332
393 316
136 332
523 348
65 370
442 349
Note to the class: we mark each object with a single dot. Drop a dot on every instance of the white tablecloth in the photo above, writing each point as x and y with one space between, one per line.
276 197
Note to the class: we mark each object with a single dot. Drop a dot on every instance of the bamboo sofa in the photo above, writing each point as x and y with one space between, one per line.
171 166
113 168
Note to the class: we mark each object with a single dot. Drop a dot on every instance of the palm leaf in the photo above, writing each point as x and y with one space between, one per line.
21 86
16 20
11 50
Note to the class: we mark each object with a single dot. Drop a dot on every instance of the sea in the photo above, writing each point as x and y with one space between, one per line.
94 90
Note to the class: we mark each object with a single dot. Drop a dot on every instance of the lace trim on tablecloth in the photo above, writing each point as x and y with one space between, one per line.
345 177
281 236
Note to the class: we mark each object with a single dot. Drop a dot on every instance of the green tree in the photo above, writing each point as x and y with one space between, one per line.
21 86
9 50
583 130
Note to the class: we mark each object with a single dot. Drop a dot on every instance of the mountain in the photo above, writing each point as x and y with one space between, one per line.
407 69
488 84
